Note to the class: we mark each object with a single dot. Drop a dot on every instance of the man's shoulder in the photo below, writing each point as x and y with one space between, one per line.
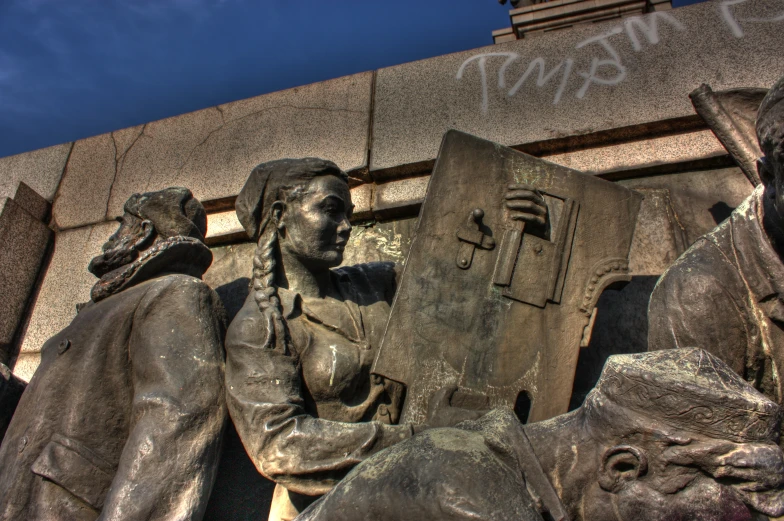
709 261
178 290
178 281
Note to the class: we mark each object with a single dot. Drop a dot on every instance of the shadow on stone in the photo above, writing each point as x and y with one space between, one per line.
11 389
621 328
720 211
240 493
233 295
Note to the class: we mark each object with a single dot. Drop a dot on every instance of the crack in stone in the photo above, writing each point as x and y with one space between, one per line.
138 136
57 192
118 161
257 112
114 178
193 150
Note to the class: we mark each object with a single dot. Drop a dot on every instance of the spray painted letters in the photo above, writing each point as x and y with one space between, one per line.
606 64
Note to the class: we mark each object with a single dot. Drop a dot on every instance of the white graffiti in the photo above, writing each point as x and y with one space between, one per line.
734 23
591 77
649 28
598 73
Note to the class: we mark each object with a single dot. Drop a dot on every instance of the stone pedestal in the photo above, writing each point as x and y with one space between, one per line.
528 20
25 238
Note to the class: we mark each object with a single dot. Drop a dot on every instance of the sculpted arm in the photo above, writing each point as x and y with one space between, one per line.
170 459
266 401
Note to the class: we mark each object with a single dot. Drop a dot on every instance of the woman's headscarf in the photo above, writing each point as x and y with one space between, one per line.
265 183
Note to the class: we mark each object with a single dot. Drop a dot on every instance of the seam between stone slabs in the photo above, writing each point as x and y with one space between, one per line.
371 122
570 143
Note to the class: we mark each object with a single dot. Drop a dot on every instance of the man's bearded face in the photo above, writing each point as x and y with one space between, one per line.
122 247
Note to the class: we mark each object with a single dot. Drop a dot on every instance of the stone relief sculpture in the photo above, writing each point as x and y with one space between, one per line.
299 352
725 292
123 418
497 308
664 435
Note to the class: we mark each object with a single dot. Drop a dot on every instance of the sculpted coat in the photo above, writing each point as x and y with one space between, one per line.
122 420
726 294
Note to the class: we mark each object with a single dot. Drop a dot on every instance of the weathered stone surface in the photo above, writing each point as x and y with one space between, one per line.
658 237
362 197
24 241
399 197
223 227
139 370
700 199
384 241
642 154
32 202
645 70
87 181
721 436
403 197
67 283
212 151
40 169
25 366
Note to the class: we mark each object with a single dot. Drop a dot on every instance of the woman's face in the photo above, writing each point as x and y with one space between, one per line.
315 226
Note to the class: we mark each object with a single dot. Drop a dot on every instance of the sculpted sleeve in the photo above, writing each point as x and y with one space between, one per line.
698 302
305 454
170 459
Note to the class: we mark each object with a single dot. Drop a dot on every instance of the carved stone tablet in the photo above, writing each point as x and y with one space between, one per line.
482 304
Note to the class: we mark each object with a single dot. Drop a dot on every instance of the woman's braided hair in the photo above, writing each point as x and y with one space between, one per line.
284 180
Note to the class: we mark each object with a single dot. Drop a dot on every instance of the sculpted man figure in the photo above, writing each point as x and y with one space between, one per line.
726 292
668 435
122 420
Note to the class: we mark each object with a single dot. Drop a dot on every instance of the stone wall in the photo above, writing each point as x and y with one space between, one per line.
610 99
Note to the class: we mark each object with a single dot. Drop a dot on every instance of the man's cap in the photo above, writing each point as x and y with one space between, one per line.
265 182
689 389
172 211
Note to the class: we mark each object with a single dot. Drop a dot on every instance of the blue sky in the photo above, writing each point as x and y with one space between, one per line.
70 69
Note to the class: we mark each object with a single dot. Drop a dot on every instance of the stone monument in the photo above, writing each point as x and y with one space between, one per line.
495 306
664 435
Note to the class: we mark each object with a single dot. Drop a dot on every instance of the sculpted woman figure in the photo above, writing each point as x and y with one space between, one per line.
299 352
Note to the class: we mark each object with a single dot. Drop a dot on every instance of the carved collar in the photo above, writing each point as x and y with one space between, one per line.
348 324
174 255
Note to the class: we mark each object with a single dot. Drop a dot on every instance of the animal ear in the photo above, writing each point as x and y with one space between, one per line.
621 464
